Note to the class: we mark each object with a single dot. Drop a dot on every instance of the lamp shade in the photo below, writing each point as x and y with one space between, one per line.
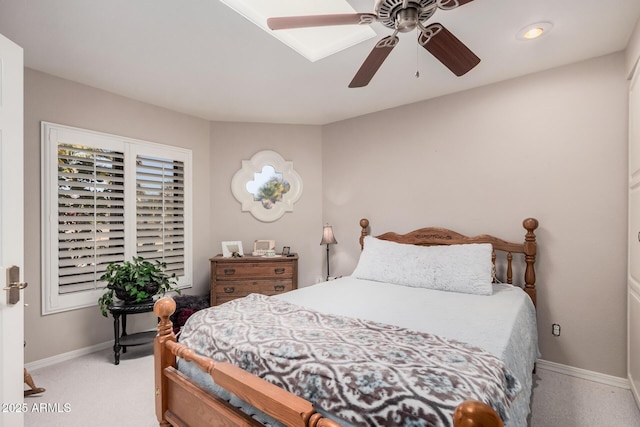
327 236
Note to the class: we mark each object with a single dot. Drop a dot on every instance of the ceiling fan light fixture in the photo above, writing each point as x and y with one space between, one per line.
533 31
407 19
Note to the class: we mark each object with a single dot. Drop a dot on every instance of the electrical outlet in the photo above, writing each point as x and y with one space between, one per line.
555 329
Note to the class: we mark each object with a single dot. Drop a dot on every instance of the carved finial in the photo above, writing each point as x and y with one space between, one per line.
164 307
472 413
364 223
530 224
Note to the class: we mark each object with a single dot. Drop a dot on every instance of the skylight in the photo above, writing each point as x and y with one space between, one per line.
312 43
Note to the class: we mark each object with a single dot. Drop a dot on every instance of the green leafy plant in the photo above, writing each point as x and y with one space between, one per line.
135 281
272 191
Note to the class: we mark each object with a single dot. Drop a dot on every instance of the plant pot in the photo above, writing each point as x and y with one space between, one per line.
150 288
123 295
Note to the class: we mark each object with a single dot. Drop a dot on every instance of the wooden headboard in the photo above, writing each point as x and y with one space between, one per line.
430 236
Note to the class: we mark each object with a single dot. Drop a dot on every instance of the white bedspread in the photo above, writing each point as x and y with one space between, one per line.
504 323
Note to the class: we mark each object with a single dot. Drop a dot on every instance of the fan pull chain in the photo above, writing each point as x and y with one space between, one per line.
417 52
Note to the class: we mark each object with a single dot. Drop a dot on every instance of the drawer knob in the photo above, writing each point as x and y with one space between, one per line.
229 289
278 288
229 271
279 270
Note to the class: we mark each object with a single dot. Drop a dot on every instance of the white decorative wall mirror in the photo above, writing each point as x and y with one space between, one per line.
267 186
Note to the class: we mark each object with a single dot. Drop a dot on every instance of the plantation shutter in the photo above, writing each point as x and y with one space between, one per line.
160 211
90 214
108 198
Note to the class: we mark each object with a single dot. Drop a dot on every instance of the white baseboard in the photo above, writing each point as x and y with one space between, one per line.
584 374
48 361
634 390
32 366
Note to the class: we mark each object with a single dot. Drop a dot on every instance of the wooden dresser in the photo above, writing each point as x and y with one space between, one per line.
233 278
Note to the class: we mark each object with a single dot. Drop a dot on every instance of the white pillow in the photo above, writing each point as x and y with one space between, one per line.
457 268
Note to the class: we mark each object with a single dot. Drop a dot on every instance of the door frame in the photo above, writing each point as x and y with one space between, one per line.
633 263
11 231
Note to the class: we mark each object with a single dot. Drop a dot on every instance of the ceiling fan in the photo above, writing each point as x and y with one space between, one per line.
401 16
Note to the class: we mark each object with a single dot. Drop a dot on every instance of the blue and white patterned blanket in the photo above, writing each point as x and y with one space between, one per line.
364 372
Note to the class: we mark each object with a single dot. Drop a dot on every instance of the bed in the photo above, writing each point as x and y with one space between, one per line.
491 331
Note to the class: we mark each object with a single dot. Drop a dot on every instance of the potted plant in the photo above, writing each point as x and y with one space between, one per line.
135 281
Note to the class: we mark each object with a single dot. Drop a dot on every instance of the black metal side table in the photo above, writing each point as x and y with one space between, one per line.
122 340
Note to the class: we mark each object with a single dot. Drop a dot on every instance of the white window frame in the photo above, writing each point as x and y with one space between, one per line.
51 135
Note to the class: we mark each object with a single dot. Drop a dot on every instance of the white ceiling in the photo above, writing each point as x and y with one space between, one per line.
202 58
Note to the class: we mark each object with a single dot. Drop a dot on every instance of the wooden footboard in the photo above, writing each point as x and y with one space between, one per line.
182 402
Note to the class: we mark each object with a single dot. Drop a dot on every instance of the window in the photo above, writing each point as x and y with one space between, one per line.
108 198
160 211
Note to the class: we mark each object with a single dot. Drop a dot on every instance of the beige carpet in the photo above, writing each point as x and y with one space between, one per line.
92 391
564 401
97 392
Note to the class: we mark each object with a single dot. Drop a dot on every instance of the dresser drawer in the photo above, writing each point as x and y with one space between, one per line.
228 291
234 271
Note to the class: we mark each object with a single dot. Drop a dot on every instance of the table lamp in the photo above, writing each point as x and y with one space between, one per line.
328 239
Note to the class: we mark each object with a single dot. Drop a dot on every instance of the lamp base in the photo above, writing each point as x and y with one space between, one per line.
328 275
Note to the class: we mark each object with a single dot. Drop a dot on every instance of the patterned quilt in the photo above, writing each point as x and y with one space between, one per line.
366 373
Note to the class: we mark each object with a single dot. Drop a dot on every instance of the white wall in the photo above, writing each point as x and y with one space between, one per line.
551 145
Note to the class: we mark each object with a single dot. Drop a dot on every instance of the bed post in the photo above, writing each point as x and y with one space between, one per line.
163 357
530 249
364 223
472 413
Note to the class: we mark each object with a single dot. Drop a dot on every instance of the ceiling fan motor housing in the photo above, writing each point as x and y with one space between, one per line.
391 13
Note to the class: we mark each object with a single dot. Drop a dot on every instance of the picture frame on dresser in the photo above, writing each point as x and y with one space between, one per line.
231 247
260 247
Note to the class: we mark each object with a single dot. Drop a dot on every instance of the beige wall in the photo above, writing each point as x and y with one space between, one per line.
60 101
218 149
552 145
633 342
300 229
633 50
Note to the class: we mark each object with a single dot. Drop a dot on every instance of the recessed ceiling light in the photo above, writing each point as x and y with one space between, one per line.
534 31
312 43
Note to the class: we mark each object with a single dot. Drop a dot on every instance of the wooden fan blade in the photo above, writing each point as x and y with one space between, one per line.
452 4
373 62
288 22
448 49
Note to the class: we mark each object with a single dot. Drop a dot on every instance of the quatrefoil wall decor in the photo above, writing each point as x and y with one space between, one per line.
267 186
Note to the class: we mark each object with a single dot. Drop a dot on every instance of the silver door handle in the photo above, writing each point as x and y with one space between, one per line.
13 290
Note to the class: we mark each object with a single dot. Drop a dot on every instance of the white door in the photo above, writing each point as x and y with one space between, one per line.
633 283
11 231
